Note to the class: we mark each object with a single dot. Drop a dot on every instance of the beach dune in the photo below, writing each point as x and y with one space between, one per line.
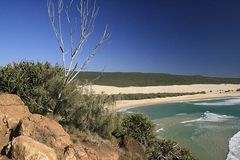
212 91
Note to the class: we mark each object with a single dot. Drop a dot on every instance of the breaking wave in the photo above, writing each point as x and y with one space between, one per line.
234 147
125 110
227 102
210 117
160 129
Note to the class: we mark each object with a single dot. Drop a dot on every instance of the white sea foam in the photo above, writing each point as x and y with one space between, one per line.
129 112
122 110
160 130
181 114
227 102
234 147
125 110
210 117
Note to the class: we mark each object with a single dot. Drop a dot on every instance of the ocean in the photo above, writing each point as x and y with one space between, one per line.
209 128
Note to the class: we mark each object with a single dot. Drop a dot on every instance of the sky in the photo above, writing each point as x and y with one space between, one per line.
190 37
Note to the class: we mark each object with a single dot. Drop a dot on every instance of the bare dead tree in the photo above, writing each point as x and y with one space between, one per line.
87 16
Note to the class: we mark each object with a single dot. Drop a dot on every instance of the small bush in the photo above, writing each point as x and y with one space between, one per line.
138 127
167 149
238 90
89 112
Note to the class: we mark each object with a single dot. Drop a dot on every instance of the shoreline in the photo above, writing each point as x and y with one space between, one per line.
127 104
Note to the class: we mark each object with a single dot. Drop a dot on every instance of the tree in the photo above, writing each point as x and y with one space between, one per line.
87 16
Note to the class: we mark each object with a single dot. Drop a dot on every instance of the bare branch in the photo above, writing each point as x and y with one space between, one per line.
87 16
50 10
70 25
85 27
105 36
60 9
58 32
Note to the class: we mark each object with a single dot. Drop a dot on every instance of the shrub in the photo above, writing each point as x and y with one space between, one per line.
167 149
39 85
30 81
238 90
90 112
138 127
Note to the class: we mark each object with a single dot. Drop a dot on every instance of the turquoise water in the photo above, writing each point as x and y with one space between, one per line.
205 127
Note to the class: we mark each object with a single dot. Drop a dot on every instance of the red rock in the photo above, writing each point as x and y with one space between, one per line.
79 152
12 110
35 137
25 148
44 130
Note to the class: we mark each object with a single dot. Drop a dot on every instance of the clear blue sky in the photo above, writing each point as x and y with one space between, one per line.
200 37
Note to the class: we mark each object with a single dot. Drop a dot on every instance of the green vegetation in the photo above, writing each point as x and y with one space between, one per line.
35 83
150 79
138 127
141 128
90 113
167 149
138 96
39 86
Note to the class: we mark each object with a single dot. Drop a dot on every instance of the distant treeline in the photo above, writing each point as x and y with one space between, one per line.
138 96
122 79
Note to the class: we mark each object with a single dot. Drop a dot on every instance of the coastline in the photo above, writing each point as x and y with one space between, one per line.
212 91
233 146
219 92
126 104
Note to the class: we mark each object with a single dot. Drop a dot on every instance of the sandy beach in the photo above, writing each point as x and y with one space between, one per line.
212 91
123 104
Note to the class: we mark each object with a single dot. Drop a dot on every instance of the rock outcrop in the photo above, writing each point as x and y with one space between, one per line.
98 148
12 110
25 148
80 152
44 130
26 136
